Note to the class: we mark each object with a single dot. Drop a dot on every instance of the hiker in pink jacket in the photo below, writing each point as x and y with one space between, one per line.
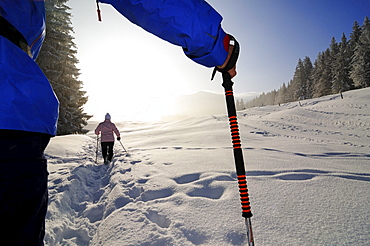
107 138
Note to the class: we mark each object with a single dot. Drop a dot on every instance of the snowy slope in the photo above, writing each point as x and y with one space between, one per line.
308 172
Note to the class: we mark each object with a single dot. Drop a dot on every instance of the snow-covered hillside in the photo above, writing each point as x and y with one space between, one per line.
308 172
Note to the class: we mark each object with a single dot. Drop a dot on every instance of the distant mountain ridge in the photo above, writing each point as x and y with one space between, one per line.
205 103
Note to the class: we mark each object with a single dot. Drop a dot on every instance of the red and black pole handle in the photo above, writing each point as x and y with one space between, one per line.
237 149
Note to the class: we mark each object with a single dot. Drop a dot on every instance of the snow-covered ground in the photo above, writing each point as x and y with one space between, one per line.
308 172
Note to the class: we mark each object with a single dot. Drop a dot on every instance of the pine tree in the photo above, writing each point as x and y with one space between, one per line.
237 104
341 67
308 68
361 58
272 98
289 96
295 88
330 59
58 61
321 74
300 87
242 104
355 36
334 47
281 95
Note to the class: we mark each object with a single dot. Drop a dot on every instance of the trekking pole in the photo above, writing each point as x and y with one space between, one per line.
238 155
122 146
98 10
234 128
97 148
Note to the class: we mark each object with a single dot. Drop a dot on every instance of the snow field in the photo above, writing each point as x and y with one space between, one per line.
308 171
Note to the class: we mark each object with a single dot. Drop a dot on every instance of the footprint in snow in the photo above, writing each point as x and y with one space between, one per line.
150 195
207 192
296 176
206 186
187 178
157 218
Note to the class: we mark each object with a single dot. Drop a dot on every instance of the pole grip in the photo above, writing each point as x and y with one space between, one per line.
99 15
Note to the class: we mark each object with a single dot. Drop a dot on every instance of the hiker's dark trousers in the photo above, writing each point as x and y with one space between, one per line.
23 188
107 150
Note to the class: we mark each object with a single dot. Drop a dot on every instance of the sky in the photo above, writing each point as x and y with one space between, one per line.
131 73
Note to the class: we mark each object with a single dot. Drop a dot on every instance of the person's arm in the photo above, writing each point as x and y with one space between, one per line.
98 129
192 24
115 130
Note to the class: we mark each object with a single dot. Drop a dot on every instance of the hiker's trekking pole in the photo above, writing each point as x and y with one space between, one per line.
97 148
237 148
98 10
238 155
122 146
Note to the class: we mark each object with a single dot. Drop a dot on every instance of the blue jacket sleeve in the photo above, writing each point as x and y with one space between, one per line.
28 17
192 24
27 101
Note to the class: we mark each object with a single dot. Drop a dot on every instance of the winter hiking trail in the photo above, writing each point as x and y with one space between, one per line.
307 167
90 193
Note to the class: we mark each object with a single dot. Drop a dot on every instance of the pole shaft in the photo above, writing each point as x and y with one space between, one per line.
123 146
250 237
97 149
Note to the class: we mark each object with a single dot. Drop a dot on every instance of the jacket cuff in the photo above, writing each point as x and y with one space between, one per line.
218 54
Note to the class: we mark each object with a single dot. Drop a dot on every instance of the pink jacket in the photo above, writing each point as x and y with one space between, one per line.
107 128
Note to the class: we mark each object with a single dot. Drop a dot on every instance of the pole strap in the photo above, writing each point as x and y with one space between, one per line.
233 58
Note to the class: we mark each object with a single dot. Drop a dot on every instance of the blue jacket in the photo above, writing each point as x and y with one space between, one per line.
192 24
27 101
